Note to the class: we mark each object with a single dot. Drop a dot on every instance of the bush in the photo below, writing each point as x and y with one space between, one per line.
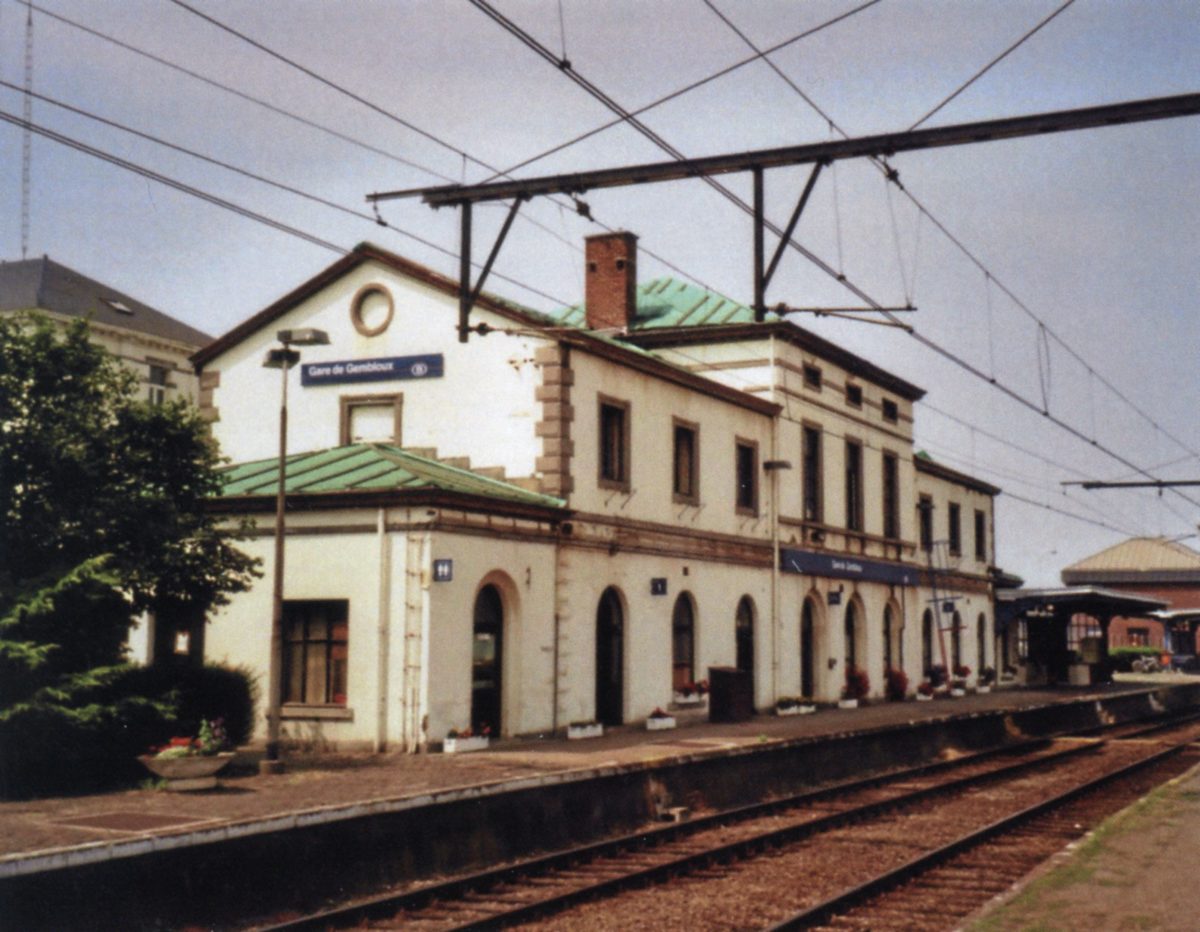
86 734
1122 658
858 684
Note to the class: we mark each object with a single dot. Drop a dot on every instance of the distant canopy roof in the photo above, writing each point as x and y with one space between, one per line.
1084 600
1137 560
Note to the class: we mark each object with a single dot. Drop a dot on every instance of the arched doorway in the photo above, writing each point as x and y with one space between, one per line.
487 660
808 667
683 642
956 643
926 642
610 659
981 640
744 636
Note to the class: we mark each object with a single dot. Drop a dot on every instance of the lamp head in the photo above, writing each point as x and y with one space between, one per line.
280 358
303 336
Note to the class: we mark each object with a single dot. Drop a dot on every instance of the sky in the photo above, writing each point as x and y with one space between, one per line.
1070 279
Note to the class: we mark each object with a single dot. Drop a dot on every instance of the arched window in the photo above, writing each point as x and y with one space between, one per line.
927 642
851 636
889 661
683 642
807 648
744 634
956 642
981 639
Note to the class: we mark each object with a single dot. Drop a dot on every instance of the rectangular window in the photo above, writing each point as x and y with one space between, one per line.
686 473
891 496
1138 637
813 510
954 529
370 418
854 395
746 454
315 635
925 520
891 412
614 443
812 377
980 536
158 383
854 499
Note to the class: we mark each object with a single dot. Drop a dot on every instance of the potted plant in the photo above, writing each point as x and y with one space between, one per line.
895 684
793 705
691 694
937 676
191 763
584 729
987 676
465 740
858 684
925 692
1010 673
659 720
958 686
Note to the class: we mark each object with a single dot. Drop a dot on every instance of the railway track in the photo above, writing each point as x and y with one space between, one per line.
910 823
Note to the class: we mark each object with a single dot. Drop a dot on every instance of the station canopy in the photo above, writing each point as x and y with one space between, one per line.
1066 601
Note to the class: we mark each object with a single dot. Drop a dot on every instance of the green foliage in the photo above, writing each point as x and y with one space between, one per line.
1122 658
85 732
103 511
86 469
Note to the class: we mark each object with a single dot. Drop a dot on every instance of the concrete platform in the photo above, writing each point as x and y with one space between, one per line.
371 819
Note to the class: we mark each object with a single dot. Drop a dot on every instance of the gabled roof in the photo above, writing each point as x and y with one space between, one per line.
370 468
1137 560
671 312
43 284
927 464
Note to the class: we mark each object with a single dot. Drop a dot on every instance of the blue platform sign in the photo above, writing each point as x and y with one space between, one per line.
383 369
839 566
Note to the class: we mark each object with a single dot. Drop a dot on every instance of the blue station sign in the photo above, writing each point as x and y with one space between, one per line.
384 369
845 567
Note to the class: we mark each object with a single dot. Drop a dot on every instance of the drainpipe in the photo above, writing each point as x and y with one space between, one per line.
775 618
557 631
383 639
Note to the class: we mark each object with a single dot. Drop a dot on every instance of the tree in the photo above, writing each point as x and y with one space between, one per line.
100 491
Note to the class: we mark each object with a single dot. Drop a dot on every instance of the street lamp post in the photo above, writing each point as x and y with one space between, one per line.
282 358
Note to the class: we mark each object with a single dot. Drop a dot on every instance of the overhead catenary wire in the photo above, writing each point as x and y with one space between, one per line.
1049 333
992 64
229 205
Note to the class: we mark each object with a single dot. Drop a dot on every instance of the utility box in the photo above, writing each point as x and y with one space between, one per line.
730 694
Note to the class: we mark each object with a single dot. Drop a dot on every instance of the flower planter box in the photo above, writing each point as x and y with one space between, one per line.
184 774
796 710
579 732
958 693
662 723
847 703
921 697
983 689
690 701
465 745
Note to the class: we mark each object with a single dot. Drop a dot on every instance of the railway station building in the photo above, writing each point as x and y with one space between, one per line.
576 515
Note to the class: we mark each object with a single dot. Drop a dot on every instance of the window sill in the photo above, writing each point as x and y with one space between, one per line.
325 713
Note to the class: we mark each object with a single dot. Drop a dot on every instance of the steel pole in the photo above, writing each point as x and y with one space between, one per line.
273 763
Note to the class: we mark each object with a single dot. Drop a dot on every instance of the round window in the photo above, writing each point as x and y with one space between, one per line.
371 310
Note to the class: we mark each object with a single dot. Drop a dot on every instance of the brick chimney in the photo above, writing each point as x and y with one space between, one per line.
610 282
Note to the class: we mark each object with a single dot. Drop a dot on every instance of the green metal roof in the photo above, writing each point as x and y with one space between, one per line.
669 302
370 467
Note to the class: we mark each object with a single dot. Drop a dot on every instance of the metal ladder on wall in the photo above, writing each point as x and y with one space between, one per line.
943 599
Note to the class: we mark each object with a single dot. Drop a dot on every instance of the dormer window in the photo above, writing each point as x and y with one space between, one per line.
118 306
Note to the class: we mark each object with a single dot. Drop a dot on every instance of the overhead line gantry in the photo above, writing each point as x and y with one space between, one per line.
757 162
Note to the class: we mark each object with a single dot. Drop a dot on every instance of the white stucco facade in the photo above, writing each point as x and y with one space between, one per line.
631 568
